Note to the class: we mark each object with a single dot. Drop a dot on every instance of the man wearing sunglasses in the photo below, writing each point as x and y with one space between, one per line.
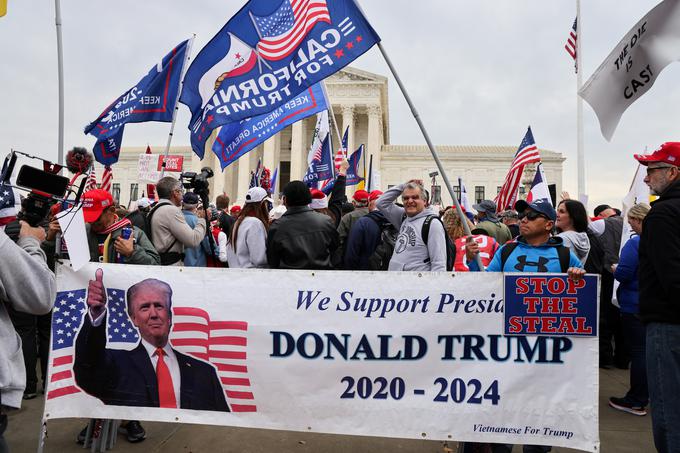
659 280
535 249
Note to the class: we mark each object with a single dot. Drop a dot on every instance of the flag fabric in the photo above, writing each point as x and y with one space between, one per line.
527 153
272 189
8 202
321 169
570 46
91 182
539 188
153 98
236 139
632 67
342 151
299 48
107 179
321 130
221 343
255 176
465 199
353 177
281 32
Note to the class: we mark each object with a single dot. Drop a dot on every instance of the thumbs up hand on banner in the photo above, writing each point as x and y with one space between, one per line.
96 295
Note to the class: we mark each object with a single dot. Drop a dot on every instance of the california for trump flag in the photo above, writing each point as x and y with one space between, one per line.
268 53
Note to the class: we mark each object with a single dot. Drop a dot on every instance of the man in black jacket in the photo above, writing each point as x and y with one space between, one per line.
301 238
660 293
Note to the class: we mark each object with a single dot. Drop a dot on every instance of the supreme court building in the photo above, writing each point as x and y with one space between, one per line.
359 99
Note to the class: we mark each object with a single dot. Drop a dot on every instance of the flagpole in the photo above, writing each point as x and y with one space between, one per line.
435 156
179 93
60 71
370 173
580 154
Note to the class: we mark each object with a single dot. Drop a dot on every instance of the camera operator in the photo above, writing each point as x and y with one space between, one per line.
170 232
26 285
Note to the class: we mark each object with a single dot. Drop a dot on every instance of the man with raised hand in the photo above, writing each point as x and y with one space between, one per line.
412 251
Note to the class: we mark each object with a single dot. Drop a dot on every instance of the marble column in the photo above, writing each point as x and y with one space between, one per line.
348 120
243 179
298 153
375 142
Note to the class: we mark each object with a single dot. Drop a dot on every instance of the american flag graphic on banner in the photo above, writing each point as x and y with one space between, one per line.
222 343
282 31
107 178
570 46
527 153
8 201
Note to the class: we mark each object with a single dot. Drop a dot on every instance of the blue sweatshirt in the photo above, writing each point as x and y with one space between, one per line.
530 258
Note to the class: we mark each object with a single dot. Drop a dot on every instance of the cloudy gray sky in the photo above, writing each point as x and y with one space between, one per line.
479 73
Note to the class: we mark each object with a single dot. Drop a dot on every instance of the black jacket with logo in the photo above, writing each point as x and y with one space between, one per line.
659 269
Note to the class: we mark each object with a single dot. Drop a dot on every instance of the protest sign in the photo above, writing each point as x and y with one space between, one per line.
409 355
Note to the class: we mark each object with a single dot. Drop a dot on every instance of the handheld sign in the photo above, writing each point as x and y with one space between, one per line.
550 304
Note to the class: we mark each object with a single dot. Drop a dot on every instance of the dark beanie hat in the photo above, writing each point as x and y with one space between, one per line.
297 194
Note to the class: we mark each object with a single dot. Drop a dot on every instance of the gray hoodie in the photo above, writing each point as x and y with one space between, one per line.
577 242
28 286
410 251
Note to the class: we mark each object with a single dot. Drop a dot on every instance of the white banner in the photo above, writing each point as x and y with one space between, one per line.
408 355
147 168
632 67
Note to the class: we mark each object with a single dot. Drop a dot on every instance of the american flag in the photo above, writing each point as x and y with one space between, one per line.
8 210
570 46
91 183
67 317
282 31
107 178
222 343
526 154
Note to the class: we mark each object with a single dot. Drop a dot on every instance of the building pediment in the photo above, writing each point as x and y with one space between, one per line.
349 74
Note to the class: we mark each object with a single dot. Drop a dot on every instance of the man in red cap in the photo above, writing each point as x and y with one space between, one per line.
659 276
104 233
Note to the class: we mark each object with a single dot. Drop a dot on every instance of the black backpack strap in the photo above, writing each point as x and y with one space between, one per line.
506 251
564 255
425 230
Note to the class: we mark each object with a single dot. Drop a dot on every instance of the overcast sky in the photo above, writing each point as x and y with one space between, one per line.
478 72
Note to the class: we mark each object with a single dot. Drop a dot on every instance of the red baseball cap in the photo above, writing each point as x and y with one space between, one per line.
94 203
360 196
668 153
235 209
374 195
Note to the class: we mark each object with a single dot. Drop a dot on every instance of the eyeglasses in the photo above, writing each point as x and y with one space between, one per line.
650 170
532 215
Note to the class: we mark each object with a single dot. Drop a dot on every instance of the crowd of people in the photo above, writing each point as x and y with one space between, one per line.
397 230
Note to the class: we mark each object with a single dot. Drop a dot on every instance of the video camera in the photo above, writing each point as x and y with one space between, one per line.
197 181
45 188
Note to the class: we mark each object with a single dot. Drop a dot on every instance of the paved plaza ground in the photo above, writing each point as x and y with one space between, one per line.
619 433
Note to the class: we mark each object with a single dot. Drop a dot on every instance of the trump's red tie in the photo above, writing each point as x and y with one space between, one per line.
166 391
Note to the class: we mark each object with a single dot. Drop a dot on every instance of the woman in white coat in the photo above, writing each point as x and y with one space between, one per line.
247 246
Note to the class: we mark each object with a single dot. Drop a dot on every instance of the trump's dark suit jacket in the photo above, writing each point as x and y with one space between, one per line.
128 378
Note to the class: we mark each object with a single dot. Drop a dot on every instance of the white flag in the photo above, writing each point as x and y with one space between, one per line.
464 199
632 67
539 188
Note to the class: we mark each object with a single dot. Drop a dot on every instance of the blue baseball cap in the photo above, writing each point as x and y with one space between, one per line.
544 207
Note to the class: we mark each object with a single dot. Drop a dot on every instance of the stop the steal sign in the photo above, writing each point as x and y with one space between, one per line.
550 304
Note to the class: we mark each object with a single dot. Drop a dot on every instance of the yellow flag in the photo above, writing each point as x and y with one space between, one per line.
361 185
3 7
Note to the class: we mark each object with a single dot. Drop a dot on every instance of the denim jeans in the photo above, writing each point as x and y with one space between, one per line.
634 331
663 374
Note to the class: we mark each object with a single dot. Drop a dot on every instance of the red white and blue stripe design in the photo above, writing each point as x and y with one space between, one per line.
527 153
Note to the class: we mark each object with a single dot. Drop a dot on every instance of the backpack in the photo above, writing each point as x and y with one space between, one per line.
595 261
381 256
450 246
167 258
563 253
